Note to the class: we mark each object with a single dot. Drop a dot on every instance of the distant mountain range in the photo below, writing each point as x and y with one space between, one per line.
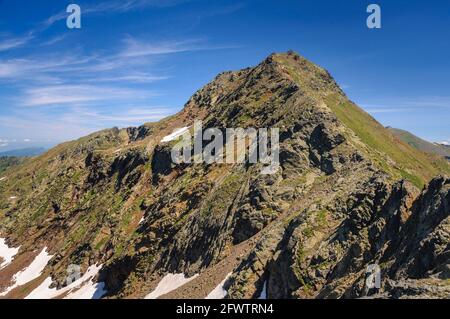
420 144
22 152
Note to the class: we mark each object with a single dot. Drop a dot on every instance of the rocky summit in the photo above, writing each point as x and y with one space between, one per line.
350 204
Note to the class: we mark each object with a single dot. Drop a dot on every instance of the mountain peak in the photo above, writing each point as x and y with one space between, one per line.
285 89
264 87
305 73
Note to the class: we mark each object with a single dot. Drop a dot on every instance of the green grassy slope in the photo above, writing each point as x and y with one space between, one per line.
407 162
386 150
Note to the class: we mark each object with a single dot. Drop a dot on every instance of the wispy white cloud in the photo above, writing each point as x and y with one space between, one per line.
12 43
75 94
429 101
377 110
135 78
398 105
114 6
222 10
51 128
125 65
76 121
139 48
135 48
54 40
102 7
129 5
123 117
30 66
4 142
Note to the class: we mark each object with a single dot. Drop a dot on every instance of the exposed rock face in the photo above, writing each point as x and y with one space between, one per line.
336 205
372 227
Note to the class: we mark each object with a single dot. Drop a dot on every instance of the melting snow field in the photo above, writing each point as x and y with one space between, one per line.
219 292
33 271
6 253
169 283
175 134
83 288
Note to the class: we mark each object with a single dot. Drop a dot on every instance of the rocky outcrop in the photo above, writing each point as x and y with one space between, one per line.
404 233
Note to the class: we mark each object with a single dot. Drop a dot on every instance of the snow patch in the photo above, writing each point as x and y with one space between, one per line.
91 290
219 292
2 179
33 271
169 283
174 135
83 288
13 197
43 291
263 294
445 143
7 253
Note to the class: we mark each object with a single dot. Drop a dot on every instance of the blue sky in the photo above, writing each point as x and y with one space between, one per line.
140 60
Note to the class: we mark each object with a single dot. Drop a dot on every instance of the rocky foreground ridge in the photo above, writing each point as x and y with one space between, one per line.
348 194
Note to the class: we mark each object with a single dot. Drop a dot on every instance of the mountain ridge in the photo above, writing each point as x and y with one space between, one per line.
335 206
421 144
